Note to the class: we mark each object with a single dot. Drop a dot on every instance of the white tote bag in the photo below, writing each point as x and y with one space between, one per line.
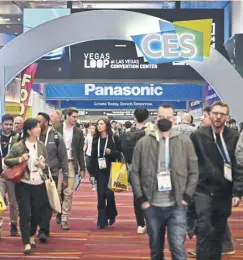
52 193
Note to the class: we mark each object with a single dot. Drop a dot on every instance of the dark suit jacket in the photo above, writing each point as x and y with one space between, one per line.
77 147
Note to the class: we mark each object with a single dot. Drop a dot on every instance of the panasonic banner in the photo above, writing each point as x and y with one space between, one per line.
123 92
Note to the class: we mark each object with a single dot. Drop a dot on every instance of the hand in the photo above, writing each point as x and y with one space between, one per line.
235 201
82 174
108 151
40 164
145 205
41 158
184 203
24 157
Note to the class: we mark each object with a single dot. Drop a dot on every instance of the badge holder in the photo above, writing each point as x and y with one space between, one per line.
102 163
228 172
164 181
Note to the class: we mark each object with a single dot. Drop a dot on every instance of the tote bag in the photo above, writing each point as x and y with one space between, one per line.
52 193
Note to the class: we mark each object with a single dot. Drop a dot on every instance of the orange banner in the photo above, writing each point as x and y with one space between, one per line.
28 76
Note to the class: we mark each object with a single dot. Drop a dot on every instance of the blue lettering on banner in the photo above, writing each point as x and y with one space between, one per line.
123 92
152 105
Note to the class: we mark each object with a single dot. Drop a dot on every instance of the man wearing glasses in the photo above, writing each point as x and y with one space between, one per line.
220 181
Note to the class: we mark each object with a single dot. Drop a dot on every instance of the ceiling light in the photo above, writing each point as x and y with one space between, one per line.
8 26
19 19
16 33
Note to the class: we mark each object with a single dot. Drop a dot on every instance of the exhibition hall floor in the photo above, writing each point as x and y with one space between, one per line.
84 241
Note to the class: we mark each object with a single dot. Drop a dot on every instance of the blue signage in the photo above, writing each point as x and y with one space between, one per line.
210 95
120 105
195 105
118 91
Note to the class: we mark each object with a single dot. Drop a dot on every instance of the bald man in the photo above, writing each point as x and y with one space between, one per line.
55 117
185 126
18 125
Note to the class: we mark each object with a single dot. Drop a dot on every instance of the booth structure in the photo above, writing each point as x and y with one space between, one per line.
113 24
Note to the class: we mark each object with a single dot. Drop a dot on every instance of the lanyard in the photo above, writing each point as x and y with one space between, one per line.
9 146
106 142
167 155
226 156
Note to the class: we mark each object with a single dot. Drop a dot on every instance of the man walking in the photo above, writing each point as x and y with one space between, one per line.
74 141
164 176
220 182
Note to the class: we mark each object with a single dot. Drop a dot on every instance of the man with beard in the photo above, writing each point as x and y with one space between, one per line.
228 246
220 181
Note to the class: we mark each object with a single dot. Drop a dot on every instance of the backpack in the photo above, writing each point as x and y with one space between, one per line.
129 141
56 138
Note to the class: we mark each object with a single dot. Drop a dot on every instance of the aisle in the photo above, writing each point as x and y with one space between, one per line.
85 241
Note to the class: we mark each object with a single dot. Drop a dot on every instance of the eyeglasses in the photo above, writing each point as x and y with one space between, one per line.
219 113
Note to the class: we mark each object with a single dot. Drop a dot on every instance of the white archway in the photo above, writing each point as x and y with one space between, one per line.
113 24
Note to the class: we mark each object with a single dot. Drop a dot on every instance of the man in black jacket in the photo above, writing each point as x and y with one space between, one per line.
74 141
220 181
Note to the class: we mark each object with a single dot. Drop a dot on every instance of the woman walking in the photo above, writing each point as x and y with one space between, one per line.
30 191
105 150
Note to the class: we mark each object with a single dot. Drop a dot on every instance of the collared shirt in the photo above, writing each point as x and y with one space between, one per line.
68 138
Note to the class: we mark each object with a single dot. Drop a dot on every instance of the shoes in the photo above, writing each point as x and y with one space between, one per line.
13 230
59 218
141 230
192 252
27 249
65 225
43 238
231 252
112 221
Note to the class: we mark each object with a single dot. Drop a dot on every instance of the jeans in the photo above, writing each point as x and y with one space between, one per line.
157 219
212 214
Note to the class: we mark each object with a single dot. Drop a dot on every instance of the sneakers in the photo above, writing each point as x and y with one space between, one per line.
192 252
13 230
231 252
141 230
65 226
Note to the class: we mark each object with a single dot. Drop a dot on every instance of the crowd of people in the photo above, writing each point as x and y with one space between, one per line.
185 179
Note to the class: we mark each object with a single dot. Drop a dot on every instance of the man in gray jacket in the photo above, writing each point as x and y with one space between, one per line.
57 159
164 176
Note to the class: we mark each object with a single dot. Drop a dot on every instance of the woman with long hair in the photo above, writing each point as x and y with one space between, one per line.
30 192
105 150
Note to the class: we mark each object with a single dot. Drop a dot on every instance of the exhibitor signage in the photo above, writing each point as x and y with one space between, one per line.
123 92
157 55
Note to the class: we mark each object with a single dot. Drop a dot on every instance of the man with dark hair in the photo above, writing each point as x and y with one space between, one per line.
128 142
7 139
57 159
74 141
220 183
206 116
164 177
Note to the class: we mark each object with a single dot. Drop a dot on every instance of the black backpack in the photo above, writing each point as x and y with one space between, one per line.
129 141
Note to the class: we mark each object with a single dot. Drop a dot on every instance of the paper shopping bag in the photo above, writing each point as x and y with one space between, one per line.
118 177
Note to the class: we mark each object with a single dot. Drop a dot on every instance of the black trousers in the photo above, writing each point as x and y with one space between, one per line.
106 199
212 214
138 212
33 205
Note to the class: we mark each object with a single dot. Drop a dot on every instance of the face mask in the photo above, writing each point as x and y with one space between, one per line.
164 125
